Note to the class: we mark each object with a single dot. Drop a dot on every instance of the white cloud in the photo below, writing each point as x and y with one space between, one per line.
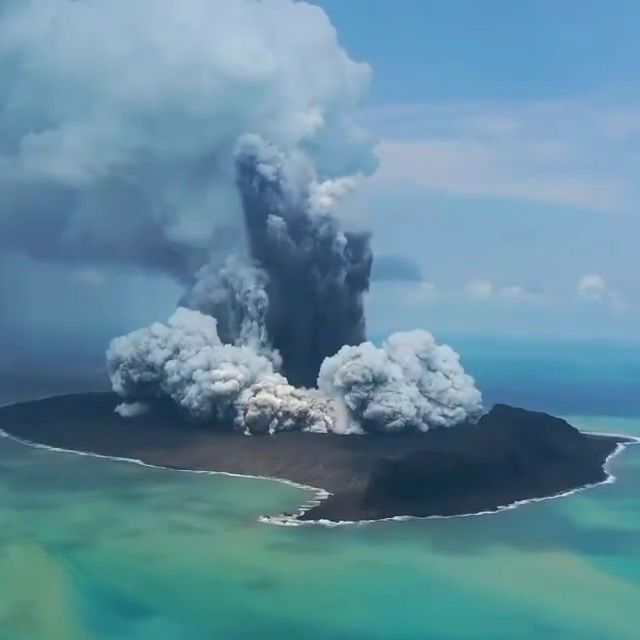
595 288
479 289
514 291
592 287
118 121
575 153
423 291
476 290
486 290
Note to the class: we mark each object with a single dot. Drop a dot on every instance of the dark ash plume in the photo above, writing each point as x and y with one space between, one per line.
235 294
213 128
317 273
123 154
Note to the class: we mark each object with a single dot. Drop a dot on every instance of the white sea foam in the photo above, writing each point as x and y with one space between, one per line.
610 479
293 520
34 399
321 493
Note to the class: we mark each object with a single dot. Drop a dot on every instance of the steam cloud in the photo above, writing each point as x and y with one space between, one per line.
119 120
211 140
411 383
236 296
186 361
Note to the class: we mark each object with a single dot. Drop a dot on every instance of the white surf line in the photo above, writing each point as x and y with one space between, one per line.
293 520
636 439
321 493
14 403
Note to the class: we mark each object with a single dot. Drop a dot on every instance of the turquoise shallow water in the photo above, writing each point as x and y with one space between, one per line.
97 549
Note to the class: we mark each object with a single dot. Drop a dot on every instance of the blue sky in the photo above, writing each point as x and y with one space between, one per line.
423 50
509 146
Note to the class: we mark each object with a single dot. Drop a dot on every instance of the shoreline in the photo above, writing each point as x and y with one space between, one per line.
350 466
322 494
294 521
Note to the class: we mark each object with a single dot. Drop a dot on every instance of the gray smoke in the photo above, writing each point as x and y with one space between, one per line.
410 384
272 405
185 361
236 295
210 140
317 273
118 121
209 381
136 362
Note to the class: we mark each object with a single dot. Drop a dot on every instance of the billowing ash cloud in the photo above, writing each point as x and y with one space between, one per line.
210 140
208 380
411 383
118 121
136 362
186 361
236 295
317 273
272 405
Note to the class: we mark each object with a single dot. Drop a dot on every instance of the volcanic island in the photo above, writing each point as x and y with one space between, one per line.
510 455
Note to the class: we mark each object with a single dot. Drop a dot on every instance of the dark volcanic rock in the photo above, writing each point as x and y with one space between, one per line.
510 455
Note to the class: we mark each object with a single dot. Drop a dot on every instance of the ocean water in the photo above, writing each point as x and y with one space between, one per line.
563 378
94 549
97 549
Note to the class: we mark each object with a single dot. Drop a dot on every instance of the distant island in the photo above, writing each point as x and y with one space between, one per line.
510 455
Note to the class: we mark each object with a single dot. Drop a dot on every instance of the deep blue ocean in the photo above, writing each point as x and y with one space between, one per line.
588 378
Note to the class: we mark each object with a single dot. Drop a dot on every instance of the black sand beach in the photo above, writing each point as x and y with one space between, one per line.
510 455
